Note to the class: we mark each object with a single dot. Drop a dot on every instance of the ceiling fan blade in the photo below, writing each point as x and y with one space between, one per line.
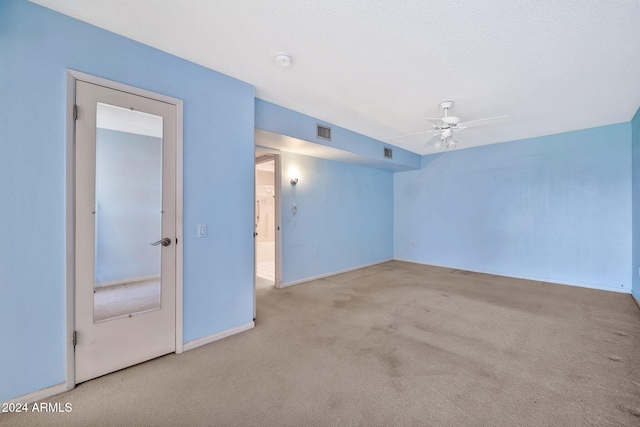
436 121
430 140
413 134
482 122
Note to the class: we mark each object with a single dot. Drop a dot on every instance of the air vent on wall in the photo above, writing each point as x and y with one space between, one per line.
388 153
324 132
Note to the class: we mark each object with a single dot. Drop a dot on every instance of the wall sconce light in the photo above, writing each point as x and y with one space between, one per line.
293 173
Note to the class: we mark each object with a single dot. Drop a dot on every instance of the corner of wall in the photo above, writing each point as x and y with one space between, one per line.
486 208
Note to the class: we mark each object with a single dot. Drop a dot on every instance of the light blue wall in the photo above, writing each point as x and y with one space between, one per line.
129 201
36 47
280 120
344 211
635 144
554 208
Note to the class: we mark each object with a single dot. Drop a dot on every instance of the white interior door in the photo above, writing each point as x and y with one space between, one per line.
125 215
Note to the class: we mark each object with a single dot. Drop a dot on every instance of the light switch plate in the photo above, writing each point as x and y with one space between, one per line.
202 230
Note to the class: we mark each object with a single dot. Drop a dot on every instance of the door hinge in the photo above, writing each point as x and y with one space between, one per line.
75 112
75 338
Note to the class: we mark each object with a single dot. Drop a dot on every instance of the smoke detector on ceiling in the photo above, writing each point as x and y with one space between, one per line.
283 60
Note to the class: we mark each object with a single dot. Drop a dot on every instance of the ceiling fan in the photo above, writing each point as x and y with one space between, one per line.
445 127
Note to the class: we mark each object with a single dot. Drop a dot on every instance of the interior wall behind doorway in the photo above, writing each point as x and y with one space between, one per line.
265 196
343 217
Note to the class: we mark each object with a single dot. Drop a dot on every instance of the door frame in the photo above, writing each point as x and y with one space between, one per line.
72 76
264 153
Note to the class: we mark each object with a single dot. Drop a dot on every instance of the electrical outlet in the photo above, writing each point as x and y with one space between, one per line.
413 244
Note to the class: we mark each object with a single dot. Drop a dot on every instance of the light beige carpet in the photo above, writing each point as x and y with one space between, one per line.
261 283
125 299
391 345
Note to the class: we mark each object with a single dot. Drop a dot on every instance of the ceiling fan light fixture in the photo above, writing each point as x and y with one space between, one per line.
438 145
451 144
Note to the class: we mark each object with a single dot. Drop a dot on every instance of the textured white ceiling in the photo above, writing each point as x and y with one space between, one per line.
381 67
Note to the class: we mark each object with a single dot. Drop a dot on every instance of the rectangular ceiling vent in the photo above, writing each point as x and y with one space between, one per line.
324 132
388 153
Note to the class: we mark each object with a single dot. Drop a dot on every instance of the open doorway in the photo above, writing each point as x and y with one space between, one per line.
267 219
265 222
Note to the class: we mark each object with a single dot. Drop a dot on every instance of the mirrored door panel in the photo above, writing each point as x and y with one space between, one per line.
128 212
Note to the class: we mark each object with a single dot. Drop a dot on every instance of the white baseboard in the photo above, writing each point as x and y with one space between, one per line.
333 273
535 279
218 336
40 394
635 299
61 388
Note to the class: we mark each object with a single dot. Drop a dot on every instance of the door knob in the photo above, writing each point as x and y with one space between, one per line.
164 242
